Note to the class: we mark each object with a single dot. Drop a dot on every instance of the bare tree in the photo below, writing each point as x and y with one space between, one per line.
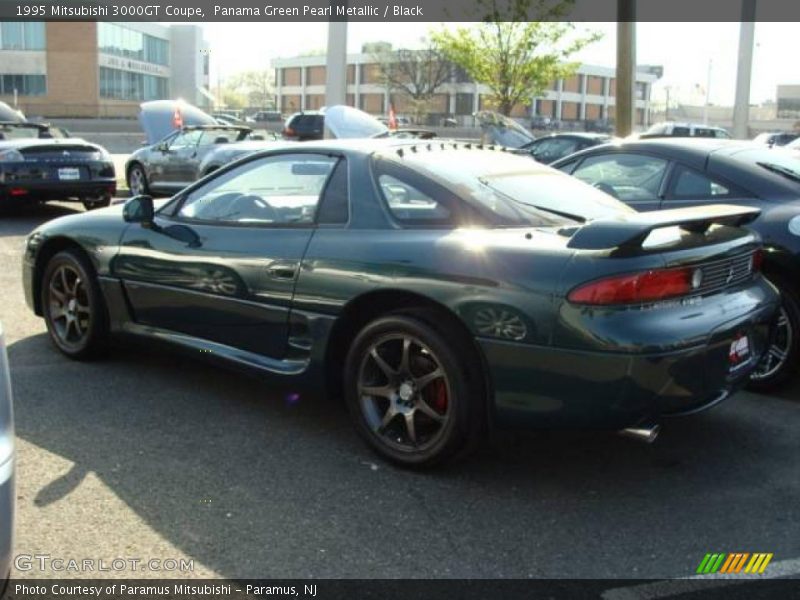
415 73
256 86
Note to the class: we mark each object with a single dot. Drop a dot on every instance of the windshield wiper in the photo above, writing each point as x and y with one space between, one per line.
785 171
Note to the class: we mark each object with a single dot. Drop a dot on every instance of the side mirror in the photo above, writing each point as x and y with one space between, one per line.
163 147
139 209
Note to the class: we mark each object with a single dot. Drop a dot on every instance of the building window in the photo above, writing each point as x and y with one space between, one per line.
572 84
464 104
124 85
121 41
594 85
788 108
315 76
25 85
569 111
22 36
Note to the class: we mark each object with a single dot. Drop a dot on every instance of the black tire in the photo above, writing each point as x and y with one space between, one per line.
137 178
456 402
95 202
73 306
785 339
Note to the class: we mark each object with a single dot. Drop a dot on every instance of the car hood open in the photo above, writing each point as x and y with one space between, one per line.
9 115
499 129
159 118
346 122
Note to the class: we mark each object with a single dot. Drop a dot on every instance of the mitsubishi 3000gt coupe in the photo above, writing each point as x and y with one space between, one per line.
439 288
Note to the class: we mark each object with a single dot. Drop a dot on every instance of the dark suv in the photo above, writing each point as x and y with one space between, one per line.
304 126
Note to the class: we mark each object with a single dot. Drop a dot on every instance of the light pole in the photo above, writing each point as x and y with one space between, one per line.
336 63
747 34
708 93
626 67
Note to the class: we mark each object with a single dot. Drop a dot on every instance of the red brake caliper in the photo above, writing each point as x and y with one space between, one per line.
439 396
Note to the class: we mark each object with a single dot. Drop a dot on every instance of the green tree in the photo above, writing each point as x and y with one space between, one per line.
514 56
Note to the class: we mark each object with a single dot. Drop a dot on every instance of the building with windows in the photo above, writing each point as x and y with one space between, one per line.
586 96
88 69
788 100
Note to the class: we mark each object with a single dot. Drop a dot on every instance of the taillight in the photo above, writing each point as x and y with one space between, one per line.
758 260
648 286
288 132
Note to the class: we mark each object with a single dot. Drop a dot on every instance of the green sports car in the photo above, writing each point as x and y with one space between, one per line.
439 288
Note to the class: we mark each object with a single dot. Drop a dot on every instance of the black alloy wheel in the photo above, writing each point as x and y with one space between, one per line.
73 306
409 394
780 359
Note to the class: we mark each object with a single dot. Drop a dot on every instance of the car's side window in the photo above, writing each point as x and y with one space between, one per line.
409 204
629 177
688 183
275 190
187 139
555 148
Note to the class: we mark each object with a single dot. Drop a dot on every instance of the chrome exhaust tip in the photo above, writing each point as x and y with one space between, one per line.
646 434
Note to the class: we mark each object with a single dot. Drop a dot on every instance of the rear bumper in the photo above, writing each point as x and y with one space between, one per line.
42 180
542 386
35 191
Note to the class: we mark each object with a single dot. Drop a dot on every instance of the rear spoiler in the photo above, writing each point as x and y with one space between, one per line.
632 229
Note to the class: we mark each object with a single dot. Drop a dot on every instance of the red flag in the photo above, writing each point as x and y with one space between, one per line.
177 118
392 117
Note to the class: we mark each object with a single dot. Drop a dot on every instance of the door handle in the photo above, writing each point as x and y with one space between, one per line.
282 270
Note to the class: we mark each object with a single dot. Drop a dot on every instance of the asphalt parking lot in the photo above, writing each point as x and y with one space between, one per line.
149 454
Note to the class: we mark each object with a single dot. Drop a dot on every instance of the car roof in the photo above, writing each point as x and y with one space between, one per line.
692 151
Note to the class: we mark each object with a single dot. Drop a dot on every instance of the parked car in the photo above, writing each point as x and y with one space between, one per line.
304 126
558 145
664 174
600 126
7 495
502 131
179 136
499 129
347 123
542 122
671 129
776 138
438 287
268 116
38 164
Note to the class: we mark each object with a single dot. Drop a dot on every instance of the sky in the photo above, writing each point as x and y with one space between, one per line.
684 50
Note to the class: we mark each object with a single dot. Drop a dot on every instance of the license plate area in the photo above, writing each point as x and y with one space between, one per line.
69 174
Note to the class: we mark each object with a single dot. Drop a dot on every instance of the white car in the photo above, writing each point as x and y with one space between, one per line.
6 468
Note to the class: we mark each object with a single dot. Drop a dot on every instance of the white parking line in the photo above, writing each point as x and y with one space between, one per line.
696 583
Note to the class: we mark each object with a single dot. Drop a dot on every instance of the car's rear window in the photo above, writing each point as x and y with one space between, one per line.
306 122
781 162
512 190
